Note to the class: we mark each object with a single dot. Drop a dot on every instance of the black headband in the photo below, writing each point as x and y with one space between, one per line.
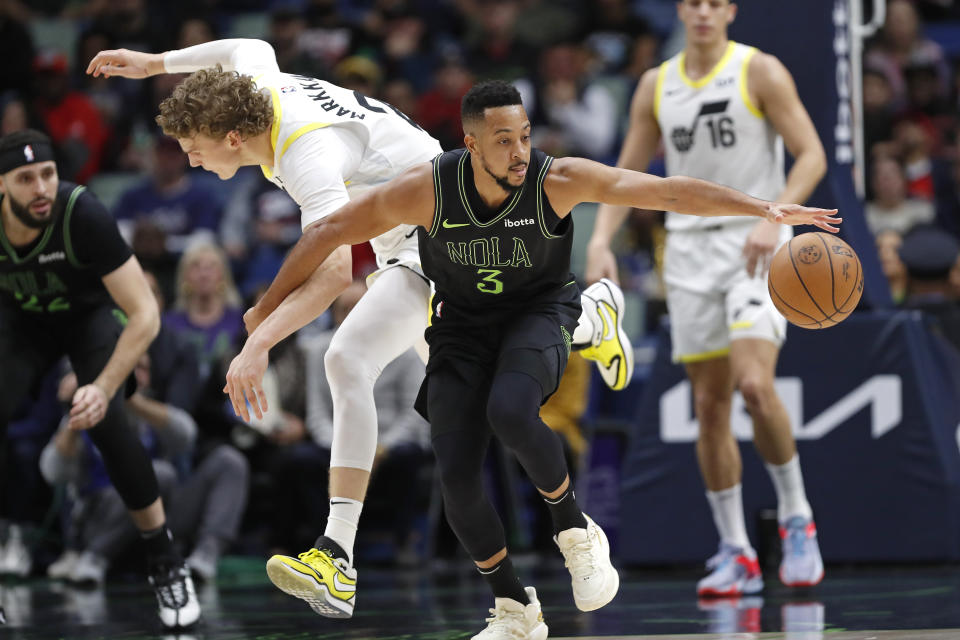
39 151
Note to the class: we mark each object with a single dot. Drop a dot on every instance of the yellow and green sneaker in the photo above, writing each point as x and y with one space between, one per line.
610 348
324 580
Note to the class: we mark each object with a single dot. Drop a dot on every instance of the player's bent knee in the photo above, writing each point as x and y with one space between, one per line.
345 365
757 390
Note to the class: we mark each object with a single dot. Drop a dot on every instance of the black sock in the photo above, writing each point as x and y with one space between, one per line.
159 542
504 582
323 542
565 512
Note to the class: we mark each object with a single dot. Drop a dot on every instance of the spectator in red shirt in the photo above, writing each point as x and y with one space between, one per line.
439 109
69 117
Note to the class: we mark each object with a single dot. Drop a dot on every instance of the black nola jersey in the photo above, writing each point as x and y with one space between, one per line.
484 261
59 275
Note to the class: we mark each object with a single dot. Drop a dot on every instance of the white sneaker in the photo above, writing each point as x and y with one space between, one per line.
90 568
176 596
586 554
62 567
16 559
610 347
511 620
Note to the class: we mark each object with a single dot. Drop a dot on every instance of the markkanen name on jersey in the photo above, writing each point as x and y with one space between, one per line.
485 252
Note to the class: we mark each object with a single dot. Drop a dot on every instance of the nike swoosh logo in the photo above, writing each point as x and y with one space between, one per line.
609 319
342 586
453 225
410 235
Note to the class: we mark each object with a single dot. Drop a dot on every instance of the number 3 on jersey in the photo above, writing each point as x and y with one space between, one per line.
490 284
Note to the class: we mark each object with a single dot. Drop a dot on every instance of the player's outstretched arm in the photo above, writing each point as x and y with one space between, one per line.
231 54
407 199
575 180
129 289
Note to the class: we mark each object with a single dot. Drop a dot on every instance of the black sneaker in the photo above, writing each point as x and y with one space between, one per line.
176 597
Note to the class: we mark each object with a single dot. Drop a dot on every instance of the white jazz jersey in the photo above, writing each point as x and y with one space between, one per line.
712 130
329 143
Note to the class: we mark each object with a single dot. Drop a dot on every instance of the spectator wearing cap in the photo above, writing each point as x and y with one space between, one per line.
70 117
930 255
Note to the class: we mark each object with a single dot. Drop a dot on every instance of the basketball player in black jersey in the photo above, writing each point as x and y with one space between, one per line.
70 286
495 238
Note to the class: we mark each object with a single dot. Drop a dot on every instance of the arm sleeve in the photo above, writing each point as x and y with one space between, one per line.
96 239
312 178
237 54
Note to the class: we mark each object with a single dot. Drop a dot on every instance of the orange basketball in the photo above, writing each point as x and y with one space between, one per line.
815 280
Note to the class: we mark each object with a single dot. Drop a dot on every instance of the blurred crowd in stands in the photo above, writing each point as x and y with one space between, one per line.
211 247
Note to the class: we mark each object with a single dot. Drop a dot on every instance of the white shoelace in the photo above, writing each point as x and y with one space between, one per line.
579 560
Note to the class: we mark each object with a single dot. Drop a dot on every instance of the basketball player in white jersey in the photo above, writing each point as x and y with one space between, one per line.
324 144
724 110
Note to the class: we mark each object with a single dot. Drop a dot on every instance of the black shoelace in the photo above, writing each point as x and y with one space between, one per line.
171 586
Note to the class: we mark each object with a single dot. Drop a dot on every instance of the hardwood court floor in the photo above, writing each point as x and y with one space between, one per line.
885 603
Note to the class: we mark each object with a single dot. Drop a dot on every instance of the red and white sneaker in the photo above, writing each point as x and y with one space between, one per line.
734 571
801 564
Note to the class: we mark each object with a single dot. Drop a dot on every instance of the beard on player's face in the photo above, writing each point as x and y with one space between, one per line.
503 181
23 214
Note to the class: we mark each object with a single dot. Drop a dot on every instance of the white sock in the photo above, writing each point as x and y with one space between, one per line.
584 334
788 483
727 508
342 523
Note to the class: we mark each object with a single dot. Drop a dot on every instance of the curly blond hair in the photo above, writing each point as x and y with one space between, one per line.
214 102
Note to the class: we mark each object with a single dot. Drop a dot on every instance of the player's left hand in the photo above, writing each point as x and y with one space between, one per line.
759 247
795 215
89 406
245 382
252 319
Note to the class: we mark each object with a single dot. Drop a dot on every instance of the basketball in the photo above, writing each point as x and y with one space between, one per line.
815 280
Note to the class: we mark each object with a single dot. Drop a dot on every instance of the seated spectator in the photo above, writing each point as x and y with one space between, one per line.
890 208
174 369
15 114
301 467
260 226
207 307
914 140
902 44
170 199
888 250
572 114
947 187
24 497
204 505
70 118
930 254
439 108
